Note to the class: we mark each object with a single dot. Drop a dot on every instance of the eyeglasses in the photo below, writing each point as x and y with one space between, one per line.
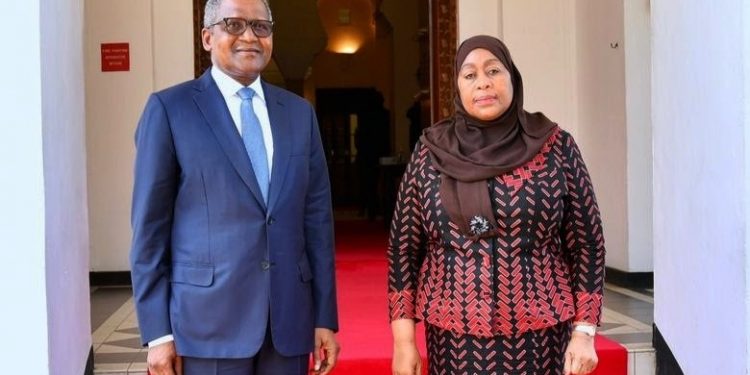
237 26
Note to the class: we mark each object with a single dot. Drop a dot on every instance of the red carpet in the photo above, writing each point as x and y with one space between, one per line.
365 333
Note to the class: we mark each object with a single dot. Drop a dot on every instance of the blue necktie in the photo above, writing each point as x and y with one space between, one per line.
252 137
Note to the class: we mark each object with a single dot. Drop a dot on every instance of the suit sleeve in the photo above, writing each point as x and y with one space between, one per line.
319 233
406 243
582 236
154 193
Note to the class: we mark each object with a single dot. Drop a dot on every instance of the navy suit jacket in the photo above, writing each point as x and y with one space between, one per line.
211 263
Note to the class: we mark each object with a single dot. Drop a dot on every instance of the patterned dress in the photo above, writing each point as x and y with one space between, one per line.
500 305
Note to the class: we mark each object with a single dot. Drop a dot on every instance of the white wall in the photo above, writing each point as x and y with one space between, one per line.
44 285
637 46
173 42
23 318
160 37
67 246
479 17
602 123
541 37
700 101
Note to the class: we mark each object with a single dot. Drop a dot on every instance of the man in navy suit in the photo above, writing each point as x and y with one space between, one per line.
232 258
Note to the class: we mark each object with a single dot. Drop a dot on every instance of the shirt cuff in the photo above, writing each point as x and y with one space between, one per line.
402 304
588 308
160 340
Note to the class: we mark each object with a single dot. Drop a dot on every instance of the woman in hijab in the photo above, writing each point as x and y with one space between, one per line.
496 241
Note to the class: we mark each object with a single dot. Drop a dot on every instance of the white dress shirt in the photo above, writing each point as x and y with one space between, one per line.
228 88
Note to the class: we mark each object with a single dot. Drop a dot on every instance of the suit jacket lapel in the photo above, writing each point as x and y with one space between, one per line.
282 142
211 103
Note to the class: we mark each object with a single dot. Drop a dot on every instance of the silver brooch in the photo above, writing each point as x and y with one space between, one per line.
478 225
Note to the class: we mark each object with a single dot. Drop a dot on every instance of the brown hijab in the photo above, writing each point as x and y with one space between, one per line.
468 151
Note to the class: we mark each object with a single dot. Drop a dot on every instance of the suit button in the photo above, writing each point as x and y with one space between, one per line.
265 265
270 221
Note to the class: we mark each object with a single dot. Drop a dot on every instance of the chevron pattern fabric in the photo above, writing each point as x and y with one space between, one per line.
544 266
539 352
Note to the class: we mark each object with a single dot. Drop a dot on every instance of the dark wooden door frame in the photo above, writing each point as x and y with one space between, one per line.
201 57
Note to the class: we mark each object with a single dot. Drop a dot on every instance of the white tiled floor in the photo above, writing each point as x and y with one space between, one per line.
117 337
641 354
641 362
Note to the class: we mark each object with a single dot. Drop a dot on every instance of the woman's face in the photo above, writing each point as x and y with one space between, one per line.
484 85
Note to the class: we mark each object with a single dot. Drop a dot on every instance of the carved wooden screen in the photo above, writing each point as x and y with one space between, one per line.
443 36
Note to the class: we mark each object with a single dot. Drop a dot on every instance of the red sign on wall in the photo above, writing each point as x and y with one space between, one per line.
115 57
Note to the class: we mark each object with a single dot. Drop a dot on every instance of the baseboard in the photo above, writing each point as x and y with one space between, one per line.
635 280
666 364
89 370
112 278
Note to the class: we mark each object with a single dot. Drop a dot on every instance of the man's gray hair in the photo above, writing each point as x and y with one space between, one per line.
211 12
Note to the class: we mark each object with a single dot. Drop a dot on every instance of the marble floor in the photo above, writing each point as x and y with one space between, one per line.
627 319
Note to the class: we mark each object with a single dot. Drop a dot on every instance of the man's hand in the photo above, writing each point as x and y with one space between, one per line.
326 351
162 359
580 356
